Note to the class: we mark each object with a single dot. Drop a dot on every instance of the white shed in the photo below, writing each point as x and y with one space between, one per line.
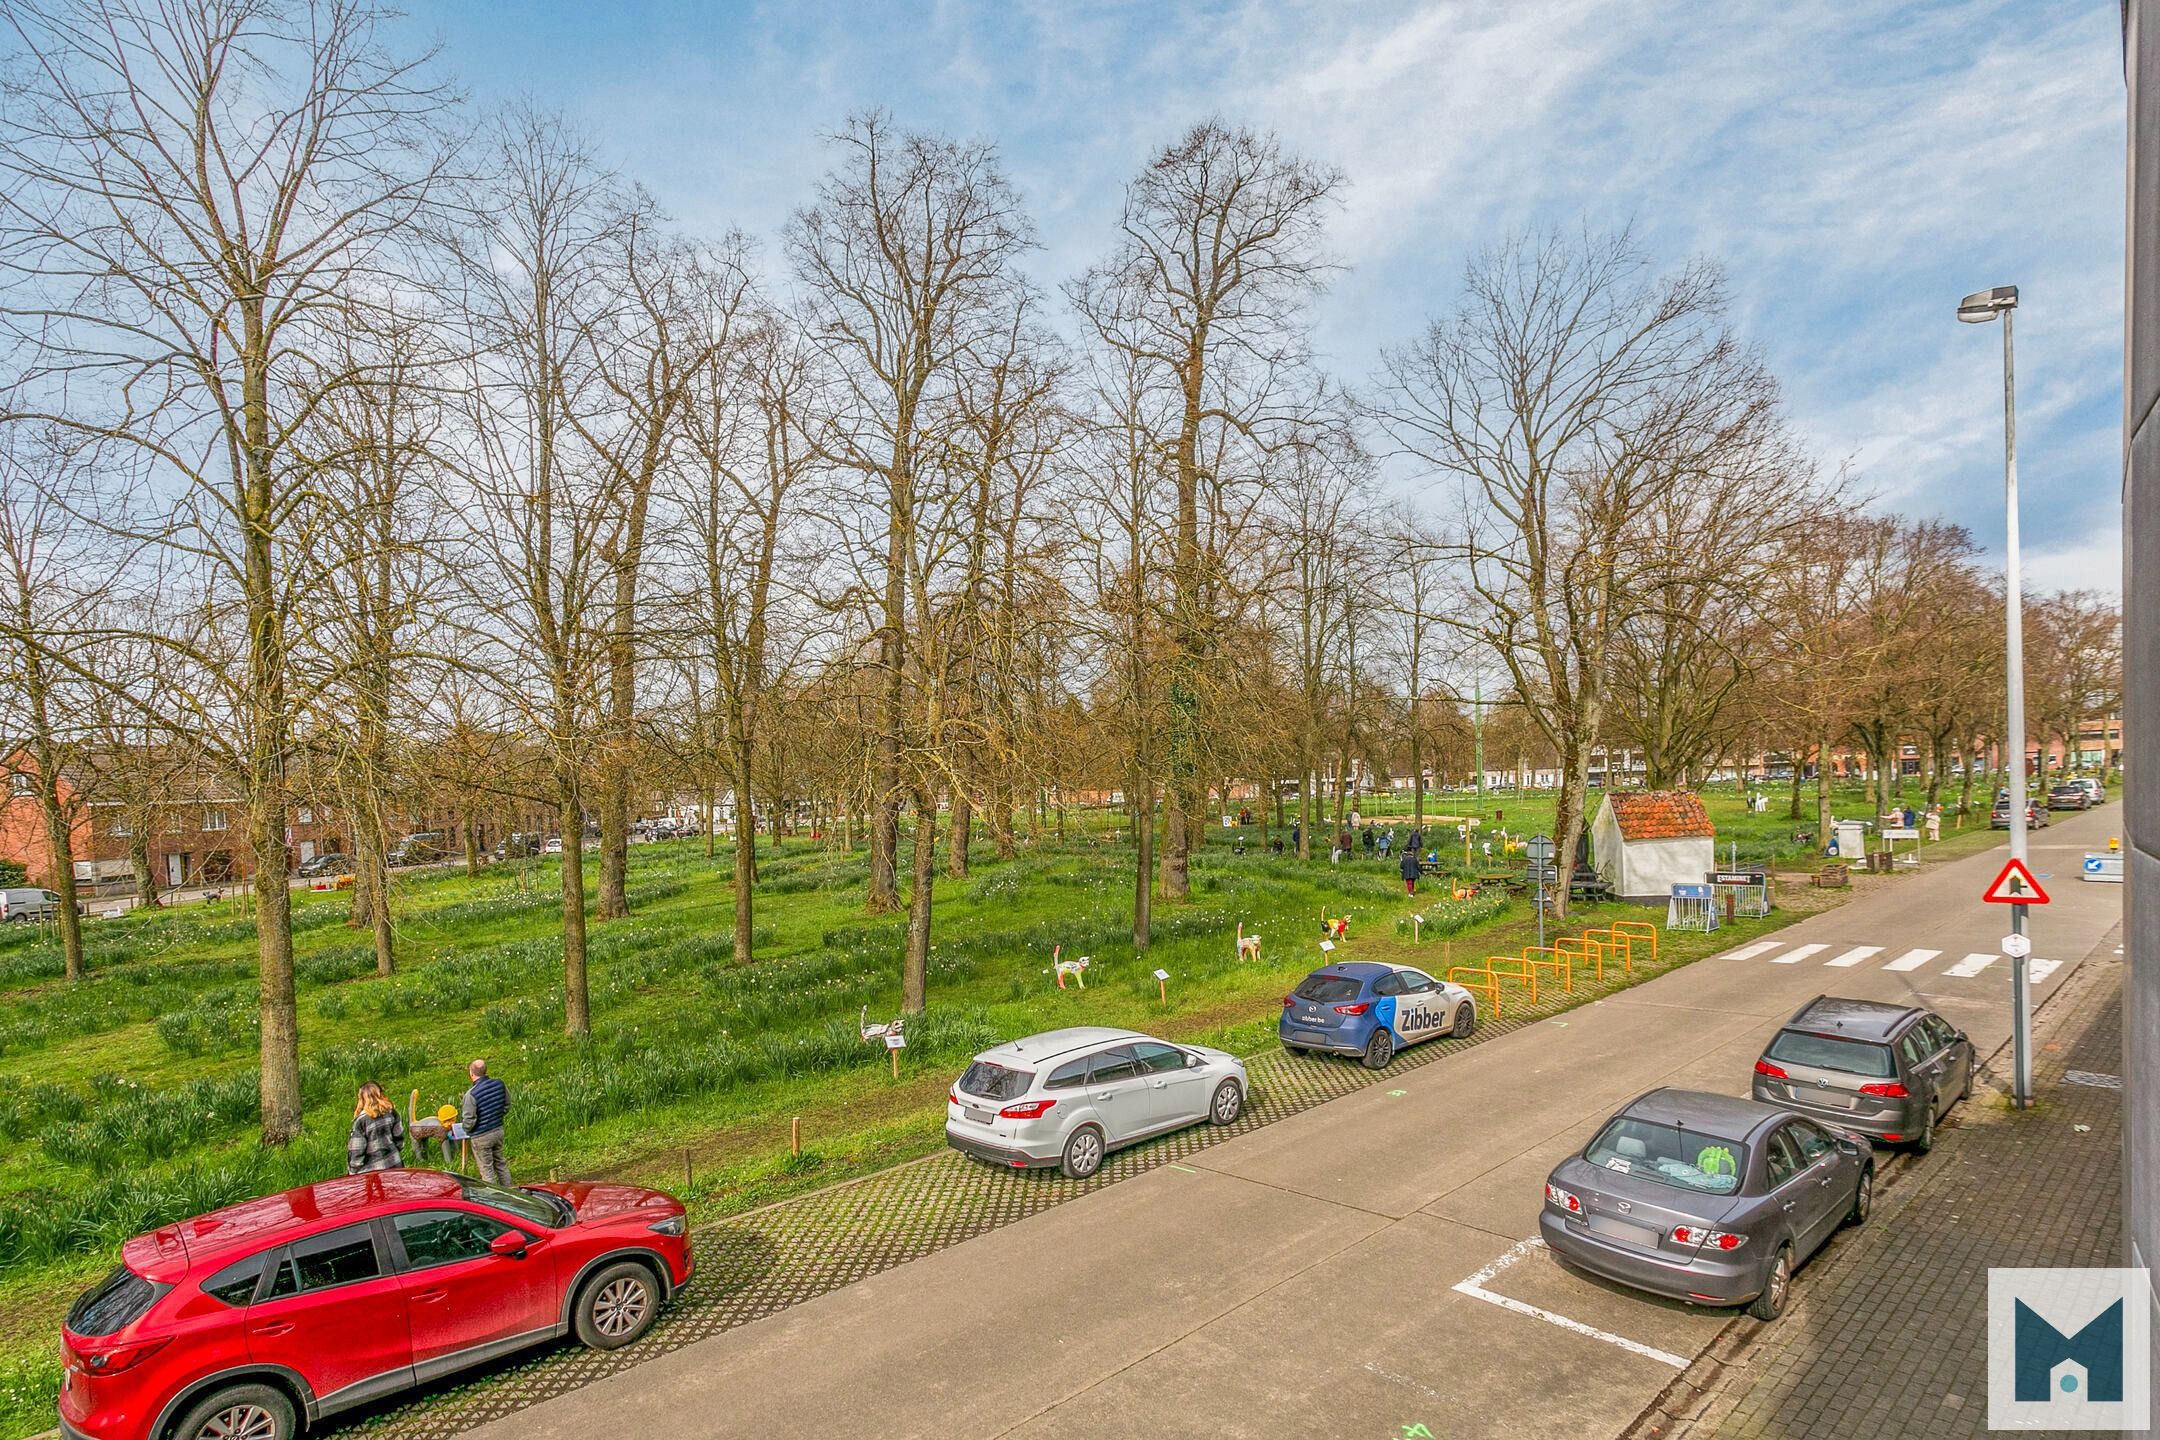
1643 843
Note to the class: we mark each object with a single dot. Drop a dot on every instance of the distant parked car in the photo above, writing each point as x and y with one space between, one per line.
1069 1097
2069 795
552 845
519 845
422 848
29 904
333 863
1371 1009
251 1322
1706 1198
2036 815
1887 1071
2094 790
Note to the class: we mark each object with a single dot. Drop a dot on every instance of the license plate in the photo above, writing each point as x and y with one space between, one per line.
1621 1230
980 1117
1308 1037
1831 1098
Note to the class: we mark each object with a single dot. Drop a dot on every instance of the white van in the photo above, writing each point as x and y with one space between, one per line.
23 904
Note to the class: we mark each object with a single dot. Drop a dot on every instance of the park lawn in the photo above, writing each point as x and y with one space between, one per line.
129 1099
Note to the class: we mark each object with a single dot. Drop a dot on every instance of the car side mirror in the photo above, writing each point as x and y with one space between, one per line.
1850 1147
510 1245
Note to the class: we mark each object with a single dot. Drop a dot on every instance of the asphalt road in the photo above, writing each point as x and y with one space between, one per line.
1359 1270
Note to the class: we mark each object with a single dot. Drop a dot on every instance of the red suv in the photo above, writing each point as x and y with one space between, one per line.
248 1322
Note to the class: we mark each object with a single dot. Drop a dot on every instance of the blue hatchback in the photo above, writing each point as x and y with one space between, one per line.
1370 1009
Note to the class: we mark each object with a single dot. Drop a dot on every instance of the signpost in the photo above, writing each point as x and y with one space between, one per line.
2016 886
1540 852
1162 984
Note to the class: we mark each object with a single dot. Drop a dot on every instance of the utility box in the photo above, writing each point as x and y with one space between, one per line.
1850 837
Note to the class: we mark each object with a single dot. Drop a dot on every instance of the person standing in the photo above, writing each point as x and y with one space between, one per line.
485 1107
1353 817
377 1141
1409 871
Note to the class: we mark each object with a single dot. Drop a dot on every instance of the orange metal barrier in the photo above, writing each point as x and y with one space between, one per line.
1562 966
1490 984
1584 949
1639 930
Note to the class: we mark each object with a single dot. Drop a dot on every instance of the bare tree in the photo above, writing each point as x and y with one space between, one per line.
195 191
1571 396
1219 249
906 263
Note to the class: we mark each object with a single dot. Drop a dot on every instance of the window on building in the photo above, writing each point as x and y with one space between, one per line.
305 815
21 784
213 820
118 827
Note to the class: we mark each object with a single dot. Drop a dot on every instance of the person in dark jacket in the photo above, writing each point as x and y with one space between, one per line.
1416 841
1409 870
377 1141
485 1107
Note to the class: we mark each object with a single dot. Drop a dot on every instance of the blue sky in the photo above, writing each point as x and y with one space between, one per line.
1857 166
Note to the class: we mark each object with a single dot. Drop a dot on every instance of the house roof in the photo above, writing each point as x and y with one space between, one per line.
1661 815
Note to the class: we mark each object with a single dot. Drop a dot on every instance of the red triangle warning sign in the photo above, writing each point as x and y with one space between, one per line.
2015 886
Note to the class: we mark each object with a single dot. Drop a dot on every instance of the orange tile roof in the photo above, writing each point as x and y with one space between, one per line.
1661 815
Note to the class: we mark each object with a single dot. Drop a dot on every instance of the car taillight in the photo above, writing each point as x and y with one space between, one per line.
1717 1239
114 1359
1554 1195
1026 1110
1764 1067
953 1098
1358 1009
1891 1091
1288 1001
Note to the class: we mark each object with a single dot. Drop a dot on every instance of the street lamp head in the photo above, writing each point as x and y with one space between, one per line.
1984 305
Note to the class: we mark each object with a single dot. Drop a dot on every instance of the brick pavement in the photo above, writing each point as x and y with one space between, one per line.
1888 1332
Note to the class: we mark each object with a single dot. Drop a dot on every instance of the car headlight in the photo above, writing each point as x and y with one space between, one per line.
673 1225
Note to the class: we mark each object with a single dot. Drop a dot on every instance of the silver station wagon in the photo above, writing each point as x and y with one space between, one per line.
1887 1071
1069 1097
1706 1198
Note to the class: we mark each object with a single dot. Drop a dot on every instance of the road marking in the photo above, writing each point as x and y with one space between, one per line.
1912 959
1474 1287
1799 953
2041 969
1971 965
1749 952
1853 957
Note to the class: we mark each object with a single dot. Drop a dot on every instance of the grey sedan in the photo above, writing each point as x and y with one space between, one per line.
1706 1198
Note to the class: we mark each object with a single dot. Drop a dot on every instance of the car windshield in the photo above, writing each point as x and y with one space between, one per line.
1830 1052
1684 1159
537 1207
1328 989
995 1082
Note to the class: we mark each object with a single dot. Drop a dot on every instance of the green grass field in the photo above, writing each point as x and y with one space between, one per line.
129 1099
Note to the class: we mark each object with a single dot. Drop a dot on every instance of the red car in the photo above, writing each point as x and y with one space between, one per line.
252 1321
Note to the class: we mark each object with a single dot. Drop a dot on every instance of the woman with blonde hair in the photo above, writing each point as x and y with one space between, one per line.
377 1141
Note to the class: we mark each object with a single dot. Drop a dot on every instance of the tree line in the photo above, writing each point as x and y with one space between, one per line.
359 447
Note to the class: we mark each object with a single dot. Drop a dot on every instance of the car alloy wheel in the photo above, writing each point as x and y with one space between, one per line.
620 1306
239 1422
1925 1141
1380 1049
1771 1303
1863 1199
1229 1103
1083 1153
1465 1021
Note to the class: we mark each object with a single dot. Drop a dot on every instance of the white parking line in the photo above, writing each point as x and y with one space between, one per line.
1853 957
1971 965
1749 952
1474 1287
1799 953
2041 969
1912 959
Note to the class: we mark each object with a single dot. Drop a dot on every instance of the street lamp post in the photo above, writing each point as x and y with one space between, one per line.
1978 309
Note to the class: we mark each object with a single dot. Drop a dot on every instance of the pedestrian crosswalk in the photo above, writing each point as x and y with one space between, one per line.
1837 955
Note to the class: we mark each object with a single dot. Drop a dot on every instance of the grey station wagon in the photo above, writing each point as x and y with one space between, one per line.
1887 1071
1707 1199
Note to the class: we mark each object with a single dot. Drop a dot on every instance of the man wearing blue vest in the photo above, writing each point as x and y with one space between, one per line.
484 1109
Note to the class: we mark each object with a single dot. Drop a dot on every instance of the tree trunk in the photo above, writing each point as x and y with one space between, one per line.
915 972
471 832
612 901
146 881
963 820
371 886
577 1003
1799 778
59 840
1568 820
1822 793
1144 869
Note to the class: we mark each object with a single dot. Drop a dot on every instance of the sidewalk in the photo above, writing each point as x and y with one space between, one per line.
1888 1333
